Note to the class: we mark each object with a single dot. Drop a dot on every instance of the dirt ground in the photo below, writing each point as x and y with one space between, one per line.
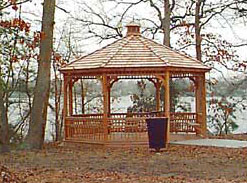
59 164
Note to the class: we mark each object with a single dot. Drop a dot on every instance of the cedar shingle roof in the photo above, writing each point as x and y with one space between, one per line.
134 51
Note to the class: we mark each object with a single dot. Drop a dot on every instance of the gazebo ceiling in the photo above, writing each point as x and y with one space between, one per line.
134 52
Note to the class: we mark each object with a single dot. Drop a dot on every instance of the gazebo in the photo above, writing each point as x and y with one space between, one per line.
132 57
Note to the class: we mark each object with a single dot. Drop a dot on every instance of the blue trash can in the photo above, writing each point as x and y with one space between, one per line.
157 132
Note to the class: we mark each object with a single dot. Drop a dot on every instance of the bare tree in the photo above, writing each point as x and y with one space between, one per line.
167 23
35 137
198 30
164 18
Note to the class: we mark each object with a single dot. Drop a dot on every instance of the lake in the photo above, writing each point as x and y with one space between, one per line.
121 105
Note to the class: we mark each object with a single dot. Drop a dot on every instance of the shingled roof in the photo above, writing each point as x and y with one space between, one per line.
134 51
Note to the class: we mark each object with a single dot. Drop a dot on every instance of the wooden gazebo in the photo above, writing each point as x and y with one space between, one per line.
132 57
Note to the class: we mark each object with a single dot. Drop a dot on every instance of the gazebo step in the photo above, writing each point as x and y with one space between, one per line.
77 142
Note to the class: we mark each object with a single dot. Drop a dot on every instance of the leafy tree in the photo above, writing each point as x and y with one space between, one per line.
141 101
222 115
225 105
18 48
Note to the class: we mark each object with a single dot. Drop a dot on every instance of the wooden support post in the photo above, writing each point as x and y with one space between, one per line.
197 104
201 104
204 108
109 99
157 84
105 84
166 83
82 98
157 87
70 97
167 102
65 106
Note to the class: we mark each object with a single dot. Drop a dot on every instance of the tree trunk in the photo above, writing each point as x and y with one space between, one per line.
198 31
36 132
166 23
166 42
4 135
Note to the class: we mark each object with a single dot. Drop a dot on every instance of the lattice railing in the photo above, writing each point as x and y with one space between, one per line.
129 126
89 127
123 125
130 122
183 122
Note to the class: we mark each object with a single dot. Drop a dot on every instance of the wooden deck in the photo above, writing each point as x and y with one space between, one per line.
114 142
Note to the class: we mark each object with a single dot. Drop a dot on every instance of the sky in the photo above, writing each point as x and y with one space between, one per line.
33 13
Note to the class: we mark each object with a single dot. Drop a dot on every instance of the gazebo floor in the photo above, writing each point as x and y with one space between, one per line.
118 141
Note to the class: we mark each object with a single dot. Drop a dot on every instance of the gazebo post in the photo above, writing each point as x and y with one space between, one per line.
165 79
201 103
106 96
109 99
70 97
157 87
157 84
65 110
82 98
167 102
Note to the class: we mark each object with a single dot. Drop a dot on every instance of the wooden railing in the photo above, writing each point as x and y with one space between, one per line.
89 127
183 122
129 126
123 125
130 122
88 115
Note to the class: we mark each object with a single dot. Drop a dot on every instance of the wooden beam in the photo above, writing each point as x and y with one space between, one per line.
105 84
157 85
132 70
167 104
113 80
197 103
165 79
204 108
70 97
201 104
82 97
65 110
158 99
109 100
157 94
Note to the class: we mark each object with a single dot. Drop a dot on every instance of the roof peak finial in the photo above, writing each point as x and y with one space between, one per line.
133 28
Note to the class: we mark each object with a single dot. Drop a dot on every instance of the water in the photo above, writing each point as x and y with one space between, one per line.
241 119
121 105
